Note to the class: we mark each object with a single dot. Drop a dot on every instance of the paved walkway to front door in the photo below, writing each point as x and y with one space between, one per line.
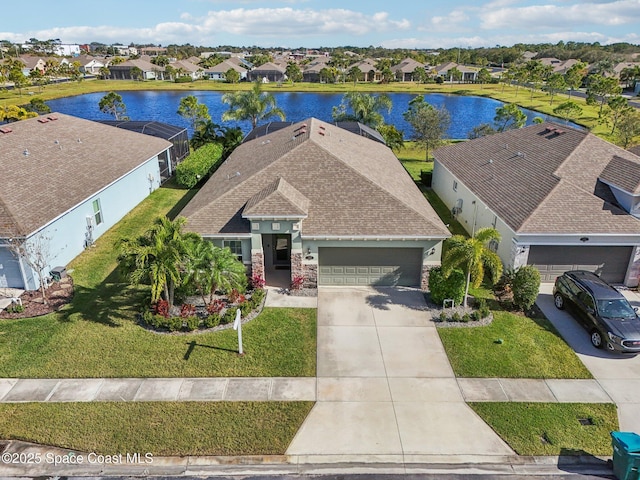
385 386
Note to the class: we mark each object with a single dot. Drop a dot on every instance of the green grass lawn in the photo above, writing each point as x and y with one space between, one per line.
530 348
552 428
97 334
159 428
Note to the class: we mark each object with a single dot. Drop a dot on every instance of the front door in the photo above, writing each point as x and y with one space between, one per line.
281 250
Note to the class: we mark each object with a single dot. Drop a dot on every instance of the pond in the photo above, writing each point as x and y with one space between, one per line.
466 111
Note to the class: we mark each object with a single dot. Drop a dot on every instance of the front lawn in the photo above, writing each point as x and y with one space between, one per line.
552 428
512 346
158 428
97 334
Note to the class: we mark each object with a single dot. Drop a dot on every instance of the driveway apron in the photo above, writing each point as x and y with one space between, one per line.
385 385
619 375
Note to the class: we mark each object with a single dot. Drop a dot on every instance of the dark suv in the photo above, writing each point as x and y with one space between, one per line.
601 309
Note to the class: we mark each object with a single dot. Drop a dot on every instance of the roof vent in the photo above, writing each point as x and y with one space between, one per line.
43 120
26 152
52 118
232 175
5 130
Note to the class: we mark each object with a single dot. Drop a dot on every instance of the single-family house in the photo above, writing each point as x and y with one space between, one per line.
369 70
268 72
186 68
32 62
560 197
65 181
323 203
311 72
469 74
217 72
123 71
90 65
404 70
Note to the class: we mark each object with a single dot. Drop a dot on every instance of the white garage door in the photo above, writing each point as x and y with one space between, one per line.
609 262
370 266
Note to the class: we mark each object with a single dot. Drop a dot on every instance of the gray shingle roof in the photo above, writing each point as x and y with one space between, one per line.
277 199
67 161
355 186
543 178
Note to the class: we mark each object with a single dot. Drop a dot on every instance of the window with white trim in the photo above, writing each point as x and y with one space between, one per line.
97 211
235 246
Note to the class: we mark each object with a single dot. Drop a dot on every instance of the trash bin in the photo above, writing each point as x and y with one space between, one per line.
58 273
626 455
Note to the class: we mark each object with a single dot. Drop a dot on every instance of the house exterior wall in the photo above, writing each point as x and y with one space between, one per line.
66 237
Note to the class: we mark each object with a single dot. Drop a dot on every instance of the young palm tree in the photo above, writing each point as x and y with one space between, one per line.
473 256
158 257
363 108
254 105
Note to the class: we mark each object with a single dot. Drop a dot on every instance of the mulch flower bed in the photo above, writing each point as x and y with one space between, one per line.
58 295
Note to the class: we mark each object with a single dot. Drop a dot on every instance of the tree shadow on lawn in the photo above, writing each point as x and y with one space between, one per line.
110 303
193 344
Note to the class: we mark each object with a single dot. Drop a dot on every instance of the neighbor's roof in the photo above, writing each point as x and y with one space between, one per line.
543 178
347 185
51 164
354 127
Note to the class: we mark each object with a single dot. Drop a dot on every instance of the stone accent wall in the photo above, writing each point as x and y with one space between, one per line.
296 265
633 273
424 281
257 264
310 275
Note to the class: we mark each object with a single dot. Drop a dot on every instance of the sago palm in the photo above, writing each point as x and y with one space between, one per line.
473 256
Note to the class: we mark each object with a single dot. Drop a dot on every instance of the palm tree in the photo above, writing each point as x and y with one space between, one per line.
473 256
363 108
254 105
158 257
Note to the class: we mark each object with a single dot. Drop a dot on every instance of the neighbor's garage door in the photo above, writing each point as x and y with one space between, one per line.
370 266
609 262
10 274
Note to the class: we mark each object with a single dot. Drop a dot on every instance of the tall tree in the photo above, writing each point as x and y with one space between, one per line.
629 128
393 137
232 76
354 75
575 76
602 87
555 84
473 256
567 110
193 111
429 124
484 76
420 75
616 108
253 105
112 104
294 74
508 117
362 107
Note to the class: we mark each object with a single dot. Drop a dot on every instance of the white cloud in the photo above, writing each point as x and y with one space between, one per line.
565 16
451 22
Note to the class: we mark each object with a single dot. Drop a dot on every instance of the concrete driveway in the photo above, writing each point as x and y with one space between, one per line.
619 375
385 386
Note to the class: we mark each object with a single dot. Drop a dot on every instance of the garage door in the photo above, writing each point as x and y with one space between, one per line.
609 262
10 274
370 266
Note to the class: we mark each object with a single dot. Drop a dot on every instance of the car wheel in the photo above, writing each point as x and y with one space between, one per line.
596 339
558 300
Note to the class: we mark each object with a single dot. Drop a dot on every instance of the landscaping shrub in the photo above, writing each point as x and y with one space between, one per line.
456 317
229 316
198 165
212 320
425 178
187 310
466 318
15 308
257 282
191 323
215 307
235 296
476 316
185 79
246 308
443 317
161 307
297 282
257 296
526 284
442 288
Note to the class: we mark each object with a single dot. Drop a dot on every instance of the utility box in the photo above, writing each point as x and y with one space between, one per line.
626 455
58 273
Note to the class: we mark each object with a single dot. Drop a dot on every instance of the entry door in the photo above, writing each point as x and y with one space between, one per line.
281 249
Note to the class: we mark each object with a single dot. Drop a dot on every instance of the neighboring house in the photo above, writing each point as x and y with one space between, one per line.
469 74
31 62
178 136
311 72
369 70
561 198
326 204
217 72
269 72
68 180
559 66
122 71
404 70
90 65
189 69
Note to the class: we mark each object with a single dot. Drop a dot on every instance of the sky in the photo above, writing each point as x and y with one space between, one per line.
328 23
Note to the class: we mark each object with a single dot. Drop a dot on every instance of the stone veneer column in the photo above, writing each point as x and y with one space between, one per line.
296 266
257 264
633 272
310 275
424 280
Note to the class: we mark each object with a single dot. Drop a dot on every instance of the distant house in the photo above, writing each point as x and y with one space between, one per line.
369 70
404 70
469 74
311 72
187 68
122 71
66 181
269 72
561 198
32 62
217 72
90 65
325 204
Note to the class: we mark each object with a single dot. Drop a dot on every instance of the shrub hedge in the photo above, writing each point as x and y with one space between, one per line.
198 165
442 288
526 284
